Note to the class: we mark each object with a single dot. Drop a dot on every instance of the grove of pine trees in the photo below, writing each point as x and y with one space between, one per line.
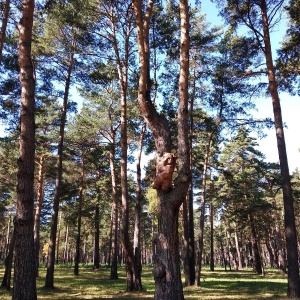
93 93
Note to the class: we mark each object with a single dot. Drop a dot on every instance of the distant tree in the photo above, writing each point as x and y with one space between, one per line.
243 176
24 262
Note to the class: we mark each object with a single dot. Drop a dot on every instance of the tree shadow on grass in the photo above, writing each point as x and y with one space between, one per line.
219 285
241 285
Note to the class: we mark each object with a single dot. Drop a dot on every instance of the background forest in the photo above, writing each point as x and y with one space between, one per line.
95 154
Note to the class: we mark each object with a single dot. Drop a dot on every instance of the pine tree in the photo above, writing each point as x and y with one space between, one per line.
24 262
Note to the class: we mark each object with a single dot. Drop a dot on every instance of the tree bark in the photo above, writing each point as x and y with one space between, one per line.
24 262
289 215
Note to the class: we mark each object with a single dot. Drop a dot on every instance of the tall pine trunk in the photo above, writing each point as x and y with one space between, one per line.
289 215
212 251
38 209
49 283
138 212
202 207
96 237
79 216
24 261
114 213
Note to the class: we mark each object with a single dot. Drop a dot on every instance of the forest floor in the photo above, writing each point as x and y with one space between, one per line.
217 285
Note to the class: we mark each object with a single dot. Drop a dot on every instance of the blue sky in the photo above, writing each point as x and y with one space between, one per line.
290 105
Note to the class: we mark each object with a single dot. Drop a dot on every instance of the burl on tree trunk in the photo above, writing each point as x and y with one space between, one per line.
165 166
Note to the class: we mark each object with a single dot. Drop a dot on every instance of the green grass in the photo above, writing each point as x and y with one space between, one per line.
217 285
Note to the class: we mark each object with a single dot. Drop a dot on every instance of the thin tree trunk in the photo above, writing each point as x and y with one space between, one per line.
200 240
223 254
202 208
134 282
24 261
66 248
238 249
188 216
212 262
58 239
138 212
192 263
38 209
271 252
8 264
185 238
79 215
278 240
289 215
49 283
257 265
232 259
8 233
114 214
96 238
4 25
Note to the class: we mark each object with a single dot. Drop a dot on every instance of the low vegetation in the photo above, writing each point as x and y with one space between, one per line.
217 285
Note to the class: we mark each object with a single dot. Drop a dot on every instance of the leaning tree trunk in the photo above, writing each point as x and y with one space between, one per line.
49 283
24 262
289 215
168 285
